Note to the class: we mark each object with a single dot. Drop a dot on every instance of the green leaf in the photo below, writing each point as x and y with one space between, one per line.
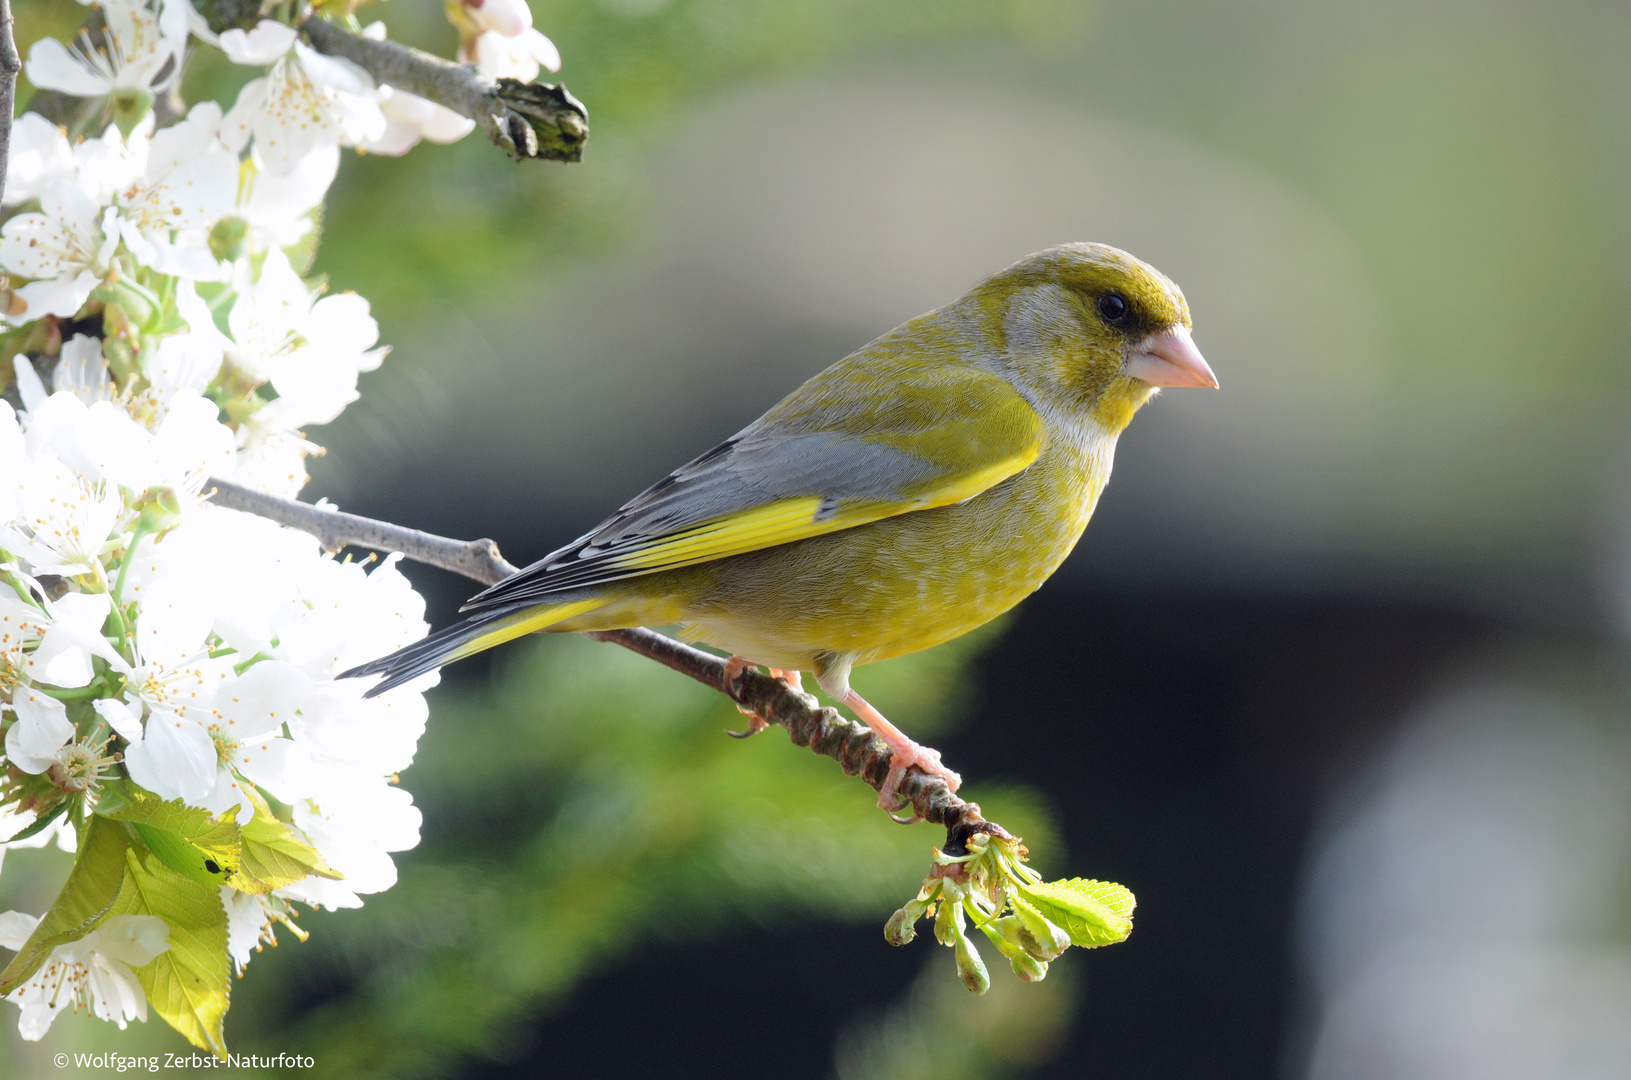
187 839
272 856
207 866
38 824
1093 913
92 887
189 984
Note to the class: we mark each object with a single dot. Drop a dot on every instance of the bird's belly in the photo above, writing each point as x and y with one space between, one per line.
887 588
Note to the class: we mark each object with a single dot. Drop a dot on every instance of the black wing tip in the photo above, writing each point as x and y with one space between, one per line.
371 668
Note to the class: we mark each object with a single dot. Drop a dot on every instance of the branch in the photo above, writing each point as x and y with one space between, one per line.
529 120
823 730
10 65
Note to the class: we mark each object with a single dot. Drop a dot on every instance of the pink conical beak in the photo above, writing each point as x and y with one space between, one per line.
1170 358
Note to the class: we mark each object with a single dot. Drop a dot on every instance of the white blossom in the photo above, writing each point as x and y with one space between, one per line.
189 180
247 920
311 353
174 680
276 208
143 51
81 370
64 246
505 44
203 641
92 974
307 101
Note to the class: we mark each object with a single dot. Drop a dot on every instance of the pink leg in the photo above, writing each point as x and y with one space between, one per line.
733 671
904 752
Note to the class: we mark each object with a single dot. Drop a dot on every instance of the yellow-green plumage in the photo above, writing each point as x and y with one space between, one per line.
913 491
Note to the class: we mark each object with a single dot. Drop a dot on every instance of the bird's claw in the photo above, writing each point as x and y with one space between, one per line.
733 671
927 761
756 724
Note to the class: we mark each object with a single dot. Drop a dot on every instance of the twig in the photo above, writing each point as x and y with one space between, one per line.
823 730
529 120
10 65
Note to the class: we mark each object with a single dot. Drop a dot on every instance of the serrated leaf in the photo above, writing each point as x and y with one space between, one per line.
272 856
90 893
189 984
1093 913
37 825
208 866
189 840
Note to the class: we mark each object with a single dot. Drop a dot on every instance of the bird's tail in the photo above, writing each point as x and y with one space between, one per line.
463 639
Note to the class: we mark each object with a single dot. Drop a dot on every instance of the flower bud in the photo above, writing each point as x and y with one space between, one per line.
970 968
899 929
160 510
227 238
509 17
1028 967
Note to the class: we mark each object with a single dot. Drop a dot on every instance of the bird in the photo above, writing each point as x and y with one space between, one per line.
908 494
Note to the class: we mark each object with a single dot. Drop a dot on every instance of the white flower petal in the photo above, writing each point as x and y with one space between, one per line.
334 72
267 43
29 386
125 720
15 926
261 700
246 921
239 124
508 17
175 759
41 729
52 67
281 766
61 296
172 622
82 371
39 154
540 48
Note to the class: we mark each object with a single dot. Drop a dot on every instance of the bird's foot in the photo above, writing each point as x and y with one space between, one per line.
756 723
903 754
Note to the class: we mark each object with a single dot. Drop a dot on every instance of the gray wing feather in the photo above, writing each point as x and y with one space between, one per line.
758 466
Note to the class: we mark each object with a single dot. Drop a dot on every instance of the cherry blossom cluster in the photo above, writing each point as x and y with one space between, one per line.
166 665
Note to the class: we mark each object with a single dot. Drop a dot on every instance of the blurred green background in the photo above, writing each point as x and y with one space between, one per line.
1335 682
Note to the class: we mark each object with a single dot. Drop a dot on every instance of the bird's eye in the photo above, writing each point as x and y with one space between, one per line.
1114 308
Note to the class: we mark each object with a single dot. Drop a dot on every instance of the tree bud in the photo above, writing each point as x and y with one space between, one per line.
899 929
970 968
1028 967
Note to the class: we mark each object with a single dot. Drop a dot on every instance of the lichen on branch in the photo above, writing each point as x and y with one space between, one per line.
529 120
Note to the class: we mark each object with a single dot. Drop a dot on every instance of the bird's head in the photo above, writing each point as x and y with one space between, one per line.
1090 329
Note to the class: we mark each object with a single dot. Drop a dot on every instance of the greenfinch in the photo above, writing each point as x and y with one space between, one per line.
918 488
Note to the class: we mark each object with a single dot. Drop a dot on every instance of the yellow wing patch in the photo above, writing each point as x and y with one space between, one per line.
788 520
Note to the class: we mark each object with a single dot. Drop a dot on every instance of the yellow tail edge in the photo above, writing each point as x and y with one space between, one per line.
526 622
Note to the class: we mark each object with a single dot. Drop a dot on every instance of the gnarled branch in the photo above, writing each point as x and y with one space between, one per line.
823 730
529 120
